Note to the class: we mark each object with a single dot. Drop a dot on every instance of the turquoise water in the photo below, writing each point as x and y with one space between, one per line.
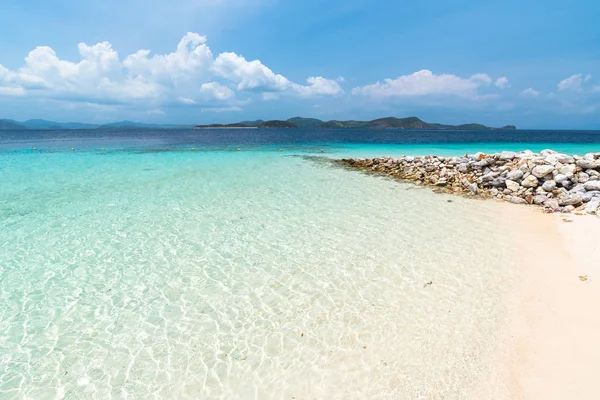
155 273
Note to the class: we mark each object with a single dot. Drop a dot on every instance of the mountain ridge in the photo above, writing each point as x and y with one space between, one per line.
295 122
379 123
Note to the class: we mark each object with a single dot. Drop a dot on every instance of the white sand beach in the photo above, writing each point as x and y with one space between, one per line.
550 349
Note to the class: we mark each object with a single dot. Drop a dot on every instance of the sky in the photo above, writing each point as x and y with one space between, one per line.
530 63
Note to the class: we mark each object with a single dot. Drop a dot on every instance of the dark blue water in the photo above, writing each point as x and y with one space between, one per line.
329 141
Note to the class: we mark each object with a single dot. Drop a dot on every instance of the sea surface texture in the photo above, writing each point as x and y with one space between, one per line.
170 264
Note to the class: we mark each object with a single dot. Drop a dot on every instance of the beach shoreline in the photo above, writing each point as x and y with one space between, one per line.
555 318
547 348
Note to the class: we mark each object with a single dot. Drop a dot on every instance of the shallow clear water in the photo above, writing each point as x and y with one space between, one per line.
148 270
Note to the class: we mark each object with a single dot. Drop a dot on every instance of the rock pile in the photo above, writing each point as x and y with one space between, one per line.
557 182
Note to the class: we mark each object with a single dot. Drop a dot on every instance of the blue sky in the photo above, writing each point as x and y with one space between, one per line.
535 64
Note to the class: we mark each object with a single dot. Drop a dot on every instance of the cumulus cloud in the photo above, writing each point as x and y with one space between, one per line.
186 76
573 83
502 83
217 91
220 109
530 92
425 82
255 76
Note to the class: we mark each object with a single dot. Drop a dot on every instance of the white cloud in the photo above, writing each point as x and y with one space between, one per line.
530 92
186 76
425 82
255 76
318 86
502 83
186 100
220 109
572 83
217 91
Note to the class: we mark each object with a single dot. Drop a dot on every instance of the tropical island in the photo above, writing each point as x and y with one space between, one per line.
380 123
296 122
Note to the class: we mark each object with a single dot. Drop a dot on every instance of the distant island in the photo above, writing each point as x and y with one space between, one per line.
296 122
42 124
381 123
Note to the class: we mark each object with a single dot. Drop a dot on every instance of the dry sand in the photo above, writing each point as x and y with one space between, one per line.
551 347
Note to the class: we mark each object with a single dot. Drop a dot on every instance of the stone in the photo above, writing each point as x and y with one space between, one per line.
542 170
499 182
567 184
512 185
567 169
592 185
565 159
530 182
579 189
473 188
551 159
518 200
588 196
507 155
552 204
570 199
593 207
540 199
583 177
587 163
515 175
560 178
549 185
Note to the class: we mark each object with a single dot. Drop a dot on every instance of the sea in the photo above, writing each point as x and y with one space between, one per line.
244 264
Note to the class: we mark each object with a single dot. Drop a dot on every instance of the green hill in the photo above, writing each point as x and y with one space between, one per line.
10 125
305 123
277 124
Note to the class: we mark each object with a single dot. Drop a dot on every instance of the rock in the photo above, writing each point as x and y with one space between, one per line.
549 186
565 159
588 196
515 175
567 209
473 188
530 182
570 199
540 199
560 178
583 177
587 163
567 184
578 189
542 170
592 185
499 182
512 185
507 155
567 169
552 204
593 207
518 200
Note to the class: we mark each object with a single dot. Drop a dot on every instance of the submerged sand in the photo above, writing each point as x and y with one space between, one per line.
550 347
